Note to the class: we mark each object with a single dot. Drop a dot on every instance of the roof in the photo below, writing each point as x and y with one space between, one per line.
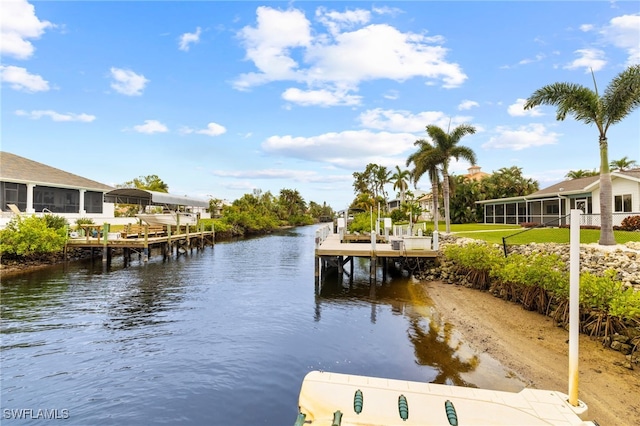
145 197
570 187
14 168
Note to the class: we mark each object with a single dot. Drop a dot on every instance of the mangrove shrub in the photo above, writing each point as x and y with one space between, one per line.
26 236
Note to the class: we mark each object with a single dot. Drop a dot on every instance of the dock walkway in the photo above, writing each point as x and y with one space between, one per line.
332 251
144 244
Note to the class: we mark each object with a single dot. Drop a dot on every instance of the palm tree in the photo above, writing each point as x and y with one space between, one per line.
427 160
580 173
622 164
382 176
446 145
400 181
620 98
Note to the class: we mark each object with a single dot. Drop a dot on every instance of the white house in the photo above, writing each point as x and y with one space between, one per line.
35 188
553 204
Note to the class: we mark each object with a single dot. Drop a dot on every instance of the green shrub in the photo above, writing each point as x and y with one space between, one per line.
398 215
361 223
84 221
300 219
55 221
31 235
476 261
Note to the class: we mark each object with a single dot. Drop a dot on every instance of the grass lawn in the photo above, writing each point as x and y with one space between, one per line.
493 234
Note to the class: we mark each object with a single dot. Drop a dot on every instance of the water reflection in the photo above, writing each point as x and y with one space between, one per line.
144 298
435 343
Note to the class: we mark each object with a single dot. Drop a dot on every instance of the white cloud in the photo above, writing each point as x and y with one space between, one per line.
467 104
56 116
589 59
392 94
348 149
283 48
337 21
150 127
20 79
623 32
18 22
517 109
285 174
537 58
127 82
213 129
322 97
524 137
268 45
586 28
405 121
187 39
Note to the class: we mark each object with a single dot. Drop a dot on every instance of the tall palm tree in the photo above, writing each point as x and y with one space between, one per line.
446 144
622 164
400 181
427 160
382 176
620 98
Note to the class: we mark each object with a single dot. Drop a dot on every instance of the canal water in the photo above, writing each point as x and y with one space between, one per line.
222 336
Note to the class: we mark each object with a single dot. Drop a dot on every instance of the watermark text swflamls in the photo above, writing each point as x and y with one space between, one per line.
37 414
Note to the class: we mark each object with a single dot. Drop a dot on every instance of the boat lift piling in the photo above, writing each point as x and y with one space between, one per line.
574 298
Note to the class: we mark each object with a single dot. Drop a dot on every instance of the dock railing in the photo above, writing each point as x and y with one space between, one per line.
322 233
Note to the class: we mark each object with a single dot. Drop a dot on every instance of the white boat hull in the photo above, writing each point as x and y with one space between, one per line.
169 218
323 394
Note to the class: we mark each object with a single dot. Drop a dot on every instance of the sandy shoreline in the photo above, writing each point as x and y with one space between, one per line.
535 349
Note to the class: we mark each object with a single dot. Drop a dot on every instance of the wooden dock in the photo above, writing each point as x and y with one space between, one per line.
143 244
333 251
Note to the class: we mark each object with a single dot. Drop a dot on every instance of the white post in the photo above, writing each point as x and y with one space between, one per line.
30 188
574 298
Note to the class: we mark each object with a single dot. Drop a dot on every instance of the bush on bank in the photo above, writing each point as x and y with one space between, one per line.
540 282
27 236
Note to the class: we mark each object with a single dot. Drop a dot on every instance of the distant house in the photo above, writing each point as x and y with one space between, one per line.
555 202
475 173
37 188
424 200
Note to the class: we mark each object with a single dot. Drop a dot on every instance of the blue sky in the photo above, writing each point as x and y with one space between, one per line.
221 98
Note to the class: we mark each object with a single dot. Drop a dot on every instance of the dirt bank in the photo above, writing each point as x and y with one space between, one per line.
531 346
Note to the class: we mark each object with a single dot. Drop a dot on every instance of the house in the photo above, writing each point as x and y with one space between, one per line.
553 204
424 200
37 188
475 173
29 187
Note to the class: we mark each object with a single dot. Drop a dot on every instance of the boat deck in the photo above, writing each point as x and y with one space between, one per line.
332 246
372 401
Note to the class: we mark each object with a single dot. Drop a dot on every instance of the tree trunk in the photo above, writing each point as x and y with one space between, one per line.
606 197
445 193
434 192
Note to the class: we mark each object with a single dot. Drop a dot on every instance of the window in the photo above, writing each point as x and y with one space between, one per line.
56 200
622 203
93 202
552 208
13 193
